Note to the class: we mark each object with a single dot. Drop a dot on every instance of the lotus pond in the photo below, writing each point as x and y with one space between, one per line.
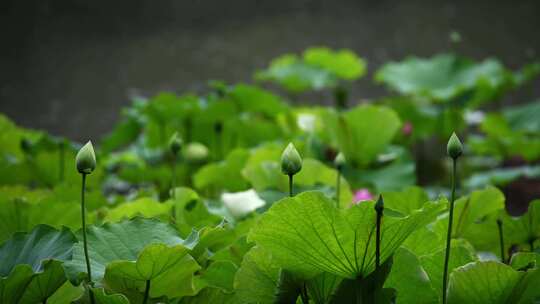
249 193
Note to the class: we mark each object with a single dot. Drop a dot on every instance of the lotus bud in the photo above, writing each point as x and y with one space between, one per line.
340 161
86 159
291 162
195 152
454 147
379 205
175 143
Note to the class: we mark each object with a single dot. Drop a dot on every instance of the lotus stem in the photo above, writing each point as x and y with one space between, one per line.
173 179
304 294
85 243
61 157
338 187
218 131
290 185
379 208
501 240
449 231
146 292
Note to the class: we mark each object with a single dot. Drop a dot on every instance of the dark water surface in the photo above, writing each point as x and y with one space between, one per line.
69 66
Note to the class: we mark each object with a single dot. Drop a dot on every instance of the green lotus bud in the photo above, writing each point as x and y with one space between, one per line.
175 143
454 147
340 161
379 205
195 152
291 162
86 159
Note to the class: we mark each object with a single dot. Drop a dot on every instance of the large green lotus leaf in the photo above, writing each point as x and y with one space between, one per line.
472 209
118 241
365 131
394 176
368 289
501 176
524 260
521 231
263 172
461 253
66 294
296 76
26 211
405 201
422 116
416 242
220 274
345 64
493 282
191 212
443 77
145 207
254 99
502 141
103 298
22 208
257 278
225 174
234 252
474 218
524 117
211 295
322 287
124 133
409 279
31 267
524 229
235 136
169 269
307 234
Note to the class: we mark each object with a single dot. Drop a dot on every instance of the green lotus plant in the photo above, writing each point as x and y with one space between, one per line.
454 150
86 163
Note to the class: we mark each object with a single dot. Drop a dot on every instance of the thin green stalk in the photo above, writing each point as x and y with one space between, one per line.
218 131
378 240
290 185
173 190
531 244
449 232
501 240
146 292
61 156
338 187
304 294
85 243
173 179
187 127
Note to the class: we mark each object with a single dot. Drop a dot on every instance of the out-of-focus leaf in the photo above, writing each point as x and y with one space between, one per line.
365 131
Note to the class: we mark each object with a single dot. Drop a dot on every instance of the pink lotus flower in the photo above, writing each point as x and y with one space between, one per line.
362 195
407 128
